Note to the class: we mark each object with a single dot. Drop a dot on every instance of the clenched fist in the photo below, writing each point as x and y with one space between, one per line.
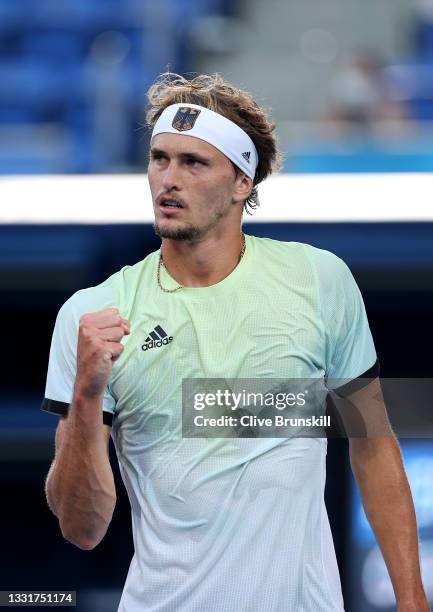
99 346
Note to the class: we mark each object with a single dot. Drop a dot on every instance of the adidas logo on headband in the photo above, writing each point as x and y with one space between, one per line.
246 156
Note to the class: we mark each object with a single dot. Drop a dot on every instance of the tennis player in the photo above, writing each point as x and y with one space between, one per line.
219 524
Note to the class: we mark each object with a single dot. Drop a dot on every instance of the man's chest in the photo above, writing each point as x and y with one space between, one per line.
261 337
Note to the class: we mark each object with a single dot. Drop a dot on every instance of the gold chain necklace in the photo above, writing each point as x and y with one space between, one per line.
161 263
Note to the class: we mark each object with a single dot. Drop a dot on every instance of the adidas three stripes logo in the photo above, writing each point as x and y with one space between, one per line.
156 338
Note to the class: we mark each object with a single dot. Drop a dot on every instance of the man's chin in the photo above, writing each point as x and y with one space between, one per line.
176 233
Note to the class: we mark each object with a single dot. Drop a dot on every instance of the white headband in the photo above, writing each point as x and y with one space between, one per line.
203 123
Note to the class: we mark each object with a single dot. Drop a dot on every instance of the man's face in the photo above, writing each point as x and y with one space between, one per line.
192 186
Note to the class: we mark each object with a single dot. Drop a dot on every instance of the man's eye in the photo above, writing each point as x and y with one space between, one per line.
195 162
157 157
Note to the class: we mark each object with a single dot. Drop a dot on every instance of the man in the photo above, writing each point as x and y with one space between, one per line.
219 524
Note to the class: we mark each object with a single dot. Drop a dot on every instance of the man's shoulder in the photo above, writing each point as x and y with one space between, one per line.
322 258
317 256
116 291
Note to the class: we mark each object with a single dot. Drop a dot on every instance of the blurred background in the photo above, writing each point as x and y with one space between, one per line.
350 86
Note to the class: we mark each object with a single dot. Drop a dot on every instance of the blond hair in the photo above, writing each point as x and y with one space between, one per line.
215 93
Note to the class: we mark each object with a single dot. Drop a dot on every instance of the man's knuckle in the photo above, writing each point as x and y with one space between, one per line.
85 330
84 320
96 346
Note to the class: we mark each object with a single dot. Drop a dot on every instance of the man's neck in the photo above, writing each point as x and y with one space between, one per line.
203 263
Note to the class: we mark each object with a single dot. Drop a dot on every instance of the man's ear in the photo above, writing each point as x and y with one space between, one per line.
243 187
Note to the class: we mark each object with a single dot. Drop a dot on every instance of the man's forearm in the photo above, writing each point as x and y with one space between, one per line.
80 485
378 469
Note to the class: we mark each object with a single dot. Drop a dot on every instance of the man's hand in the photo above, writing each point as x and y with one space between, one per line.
99 345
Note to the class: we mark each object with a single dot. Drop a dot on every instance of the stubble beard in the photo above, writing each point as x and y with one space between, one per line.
179 233
190 233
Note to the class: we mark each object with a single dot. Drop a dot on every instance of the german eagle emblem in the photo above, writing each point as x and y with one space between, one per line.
185 118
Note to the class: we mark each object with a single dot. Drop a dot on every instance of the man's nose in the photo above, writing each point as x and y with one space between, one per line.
171 178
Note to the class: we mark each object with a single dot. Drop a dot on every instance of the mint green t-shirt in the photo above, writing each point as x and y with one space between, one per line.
222 525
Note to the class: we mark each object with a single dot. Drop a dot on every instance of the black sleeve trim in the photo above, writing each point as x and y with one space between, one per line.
361 381
107 418
55 407
61 408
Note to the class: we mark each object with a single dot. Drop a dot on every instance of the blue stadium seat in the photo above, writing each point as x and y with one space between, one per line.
422 108
184 11
424 40
16 113
37 83
53 46
84 15
413 80
13 14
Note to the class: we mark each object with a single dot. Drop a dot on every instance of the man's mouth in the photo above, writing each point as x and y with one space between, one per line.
167 203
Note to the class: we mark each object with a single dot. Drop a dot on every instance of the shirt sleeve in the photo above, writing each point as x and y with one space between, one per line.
62 365
350 354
